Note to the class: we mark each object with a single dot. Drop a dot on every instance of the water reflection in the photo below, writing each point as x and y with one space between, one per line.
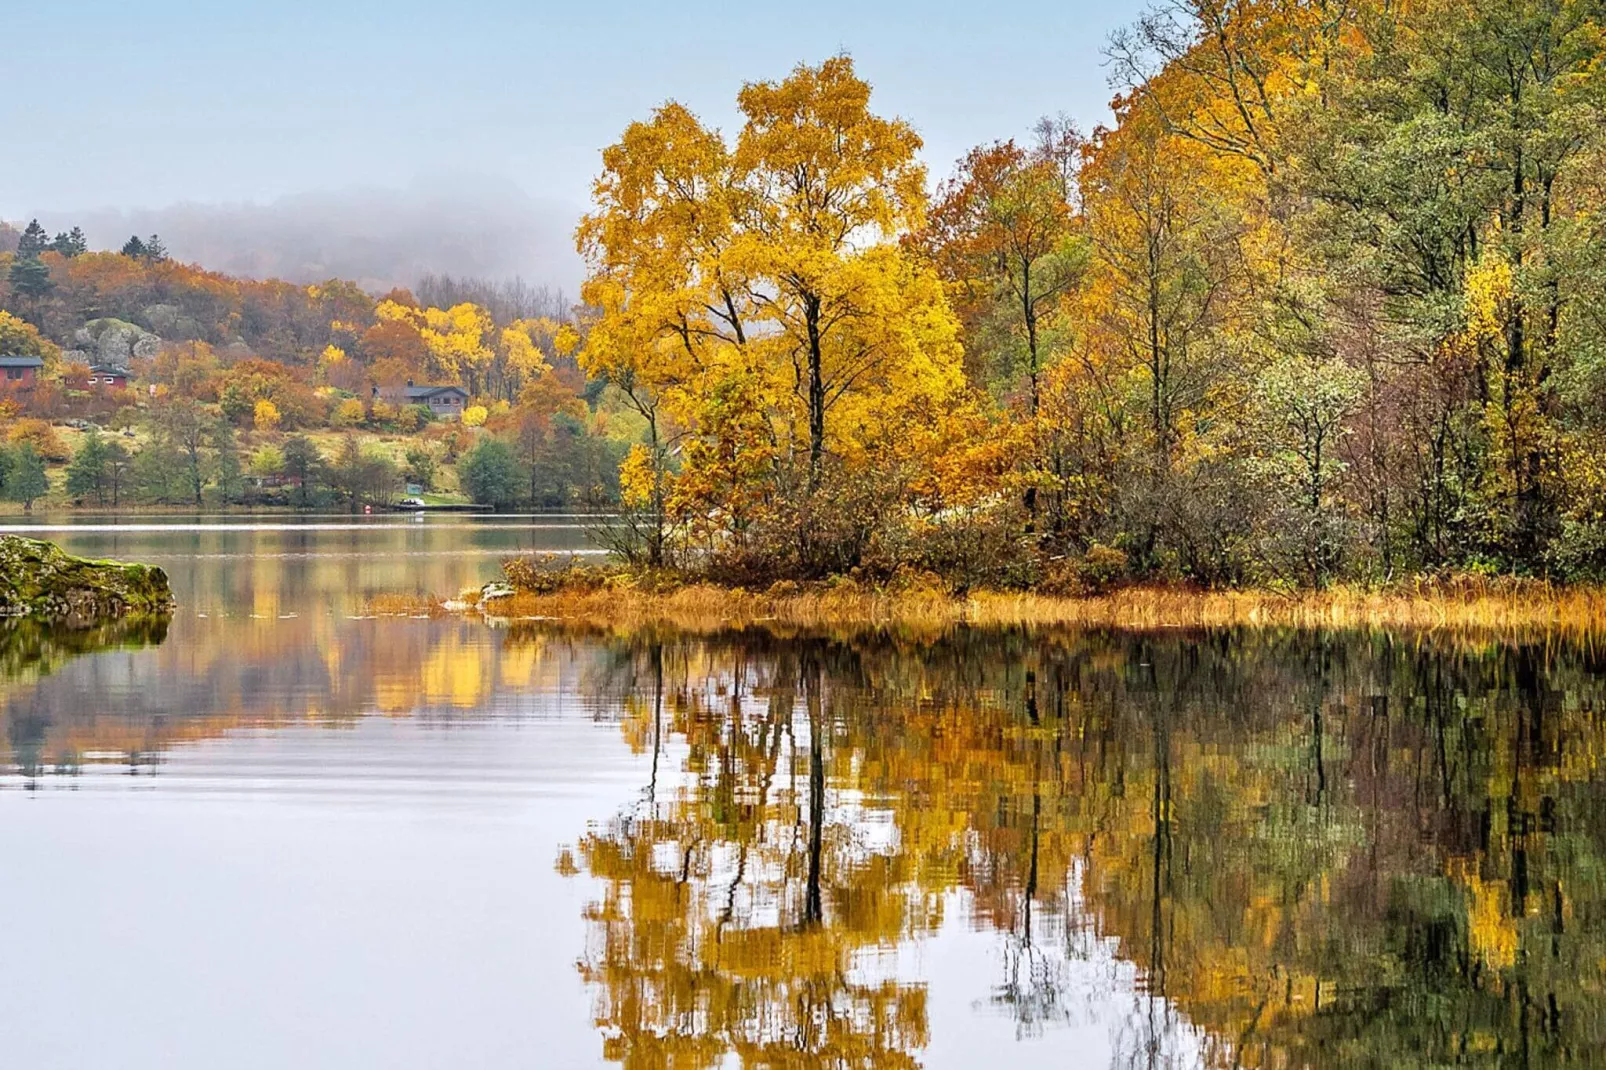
1316 850
1260 848
272 629
32 649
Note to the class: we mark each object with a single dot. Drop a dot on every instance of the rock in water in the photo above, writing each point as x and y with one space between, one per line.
38 579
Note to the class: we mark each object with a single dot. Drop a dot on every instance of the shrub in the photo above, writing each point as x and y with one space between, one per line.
41 436
348 413
1101 568
538 575
413 418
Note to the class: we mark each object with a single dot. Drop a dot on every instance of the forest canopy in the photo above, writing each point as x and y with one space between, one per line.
1321 303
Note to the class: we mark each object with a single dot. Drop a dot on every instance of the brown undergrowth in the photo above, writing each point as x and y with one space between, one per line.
613 598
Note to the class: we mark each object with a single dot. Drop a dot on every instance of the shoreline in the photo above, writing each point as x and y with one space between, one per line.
1484 607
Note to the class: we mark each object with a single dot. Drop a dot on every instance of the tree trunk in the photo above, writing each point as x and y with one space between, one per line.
813 911
1030 314
811 315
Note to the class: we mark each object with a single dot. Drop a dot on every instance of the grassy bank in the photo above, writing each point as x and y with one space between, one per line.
329 442
618 598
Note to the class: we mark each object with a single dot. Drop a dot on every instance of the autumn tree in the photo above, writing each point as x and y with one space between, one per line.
1002 237
752 298
823 181
20 338
1166 266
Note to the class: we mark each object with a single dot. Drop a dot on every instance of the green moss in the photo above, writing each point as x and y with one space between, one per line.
40 580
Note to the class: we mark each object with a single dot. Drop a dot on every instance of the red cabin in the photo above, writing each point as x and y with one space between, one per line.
19 371
107 377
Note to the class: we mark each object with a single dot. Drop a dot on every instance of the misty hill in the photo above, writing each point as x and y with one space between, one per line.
378 238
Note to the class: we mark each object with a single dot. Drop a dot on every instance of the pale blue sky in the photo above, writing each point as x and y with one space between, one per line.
132 104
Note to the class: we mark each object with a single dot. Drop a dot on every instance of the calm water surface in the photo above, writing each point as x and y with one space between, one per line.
279 832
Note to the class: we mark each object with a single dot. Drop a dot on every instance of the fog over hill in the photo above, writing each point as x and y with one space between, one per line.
379 238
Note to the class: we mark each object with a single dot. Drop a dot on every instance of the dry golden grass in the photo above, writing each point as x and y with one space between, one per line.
1470 604
406 605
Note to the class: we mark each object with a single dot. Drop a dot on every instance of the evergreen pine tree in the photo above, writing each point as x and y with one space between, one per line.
86 475
26 481
29 277
134 247
70 243
33 242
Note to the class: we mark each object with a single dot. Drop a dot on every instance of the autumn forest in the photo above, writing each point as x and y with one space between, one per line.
1321 304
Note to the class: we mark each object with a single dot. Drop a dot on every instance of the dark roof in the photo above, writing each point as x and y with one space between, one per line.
424 393
107 369
21 362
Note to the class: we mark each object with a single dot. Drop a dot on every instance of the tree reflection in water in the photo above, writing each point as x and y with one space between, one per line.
1261 848
31 649
1315 849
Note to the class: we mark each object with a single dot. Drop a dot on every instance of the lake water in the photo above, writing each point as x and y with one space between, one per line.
279 832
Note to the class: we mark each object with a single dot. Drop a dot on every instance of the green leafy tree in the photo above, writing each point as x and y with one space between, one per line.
267 462
119 463
364 477
421 465
303 465
187 427
1303 408
157 474
229 477
491 474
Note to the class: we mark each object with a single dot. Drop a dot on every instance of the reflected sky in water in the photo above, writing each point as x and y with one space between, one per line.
275 831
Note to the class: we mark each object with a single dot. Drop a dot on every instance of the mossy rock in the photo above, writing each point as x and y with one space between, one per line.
40 580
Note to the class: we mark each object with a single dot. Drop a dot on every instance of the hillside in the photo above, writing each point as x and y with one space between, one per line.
216 373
